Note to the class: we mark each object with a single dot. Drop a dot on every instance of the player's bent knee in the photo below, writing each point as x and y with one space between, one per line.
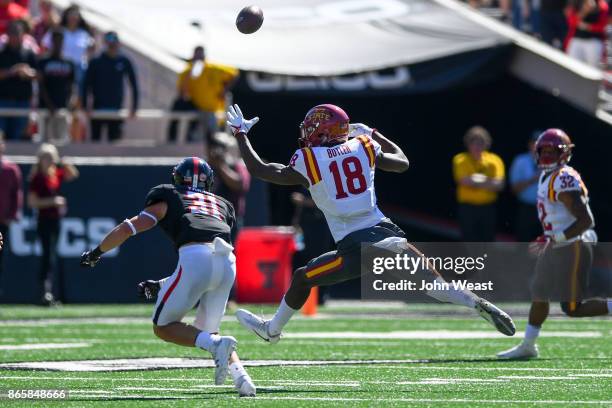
161 331
299 279
570 309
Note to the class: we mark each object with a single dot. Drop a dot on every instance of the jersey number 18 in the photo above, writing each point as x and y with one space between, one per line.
355 180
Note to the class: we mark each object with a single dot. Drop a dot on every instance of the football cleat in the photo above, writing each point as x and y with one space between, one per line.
245 387
497 317
523 351
221 354
257 325
148 289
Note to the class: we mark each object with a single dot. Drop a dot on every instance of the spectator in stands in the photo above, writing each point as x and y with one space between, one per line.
17 71
78 40
183 103
47 20
232 179
206 85
553 23
479 175
11 194
46 179
524 175
11 11
587 21
28 41
104 81
56 89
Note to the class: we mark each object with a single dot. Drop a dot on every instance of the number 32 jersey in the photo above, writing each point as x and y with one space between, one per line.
341 183
553 214
193 216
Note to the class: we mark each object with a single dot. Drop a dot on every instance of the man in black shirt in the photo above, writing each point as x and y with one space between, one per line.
56 80
553 23
17 70
199 224
104 81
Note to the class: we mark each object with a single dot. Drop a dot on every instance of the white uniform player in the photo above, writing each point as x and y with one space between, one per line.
565 249
341 182
337 163
554 215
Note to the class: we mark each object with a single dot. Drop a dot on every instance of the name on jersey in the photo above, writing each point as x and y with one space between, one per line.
338 151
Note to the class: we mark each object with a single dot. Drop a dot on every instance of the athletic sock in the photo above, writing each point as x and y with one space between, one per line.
237 371
452 295
281 317
531 334
610 306
207 341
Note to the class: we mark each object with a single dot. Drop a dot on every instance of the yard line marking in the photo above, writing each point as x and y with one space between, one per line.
430 334
462 400
137 364
42 346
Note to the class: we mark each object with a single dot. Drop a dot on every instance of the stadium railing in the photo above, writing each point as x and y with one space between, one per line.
159 118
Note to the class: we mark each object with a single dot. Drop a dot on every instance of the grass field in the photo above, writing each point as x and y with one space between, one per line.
350 355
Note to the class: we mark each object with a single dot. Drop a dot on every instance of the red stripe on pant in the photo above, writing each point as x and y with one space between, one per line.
167 295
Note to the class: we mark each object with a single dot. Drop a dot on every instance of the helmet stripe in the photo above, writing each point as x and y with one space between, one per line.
196 176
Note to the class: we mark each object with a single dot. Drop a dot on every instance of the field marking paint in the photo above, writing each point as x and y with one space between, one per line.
431 334
42 346
462 400
136 364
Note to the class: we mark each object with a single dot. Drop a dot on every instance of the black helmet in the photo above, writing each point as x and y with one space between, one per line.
194 174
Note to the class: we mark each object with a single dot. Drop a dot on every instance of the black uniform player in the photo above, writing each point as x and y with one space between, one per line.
199 224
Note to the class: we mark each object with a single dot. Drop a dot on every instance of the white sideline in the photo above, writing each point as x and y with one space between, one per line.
42 346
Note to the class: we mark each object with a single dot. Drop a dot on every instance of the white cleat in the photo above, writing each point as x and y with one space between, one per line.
221 355
523 351
245 387
497 317
257 325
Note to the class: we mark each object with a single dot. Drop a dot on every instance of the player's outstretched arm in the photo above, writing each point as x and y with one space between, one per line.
575 203
144 221
272 172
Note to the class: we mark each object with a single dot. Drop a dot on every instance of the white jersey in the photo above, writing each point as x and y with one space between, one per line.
341 182
553 214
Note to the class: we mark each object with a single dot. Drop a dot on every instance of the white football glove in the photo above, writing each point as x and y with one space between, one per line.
357 129
237 122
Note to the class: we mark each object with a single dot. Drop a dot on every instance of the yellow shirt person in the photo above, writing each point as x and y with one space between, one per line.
488 165
479 175
206 83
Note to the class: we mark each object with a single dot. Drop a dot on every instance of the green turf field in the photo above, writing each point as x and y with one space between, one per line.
352 354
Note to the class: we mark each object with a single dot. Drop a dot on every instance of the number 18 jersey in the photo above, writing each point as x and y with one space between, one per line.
341 183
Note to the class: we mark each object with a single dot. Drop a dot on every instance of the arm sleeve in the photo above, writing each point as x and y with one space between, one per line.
131 72
566 181
498 168
156 195
459 169
298 164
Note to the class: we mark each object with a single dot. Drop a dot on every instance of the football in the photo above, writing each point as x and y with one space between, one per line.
249 19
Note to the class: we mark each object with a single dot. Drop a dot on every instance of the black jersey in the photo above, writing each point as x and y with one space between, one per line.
193 216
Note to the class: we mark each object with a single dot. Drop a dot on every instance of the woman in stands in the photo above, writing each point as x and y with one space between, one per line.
78 41
46 179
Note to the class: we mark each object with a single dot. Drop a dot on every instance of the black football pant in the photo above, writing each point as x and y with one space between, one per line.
337 266
48 233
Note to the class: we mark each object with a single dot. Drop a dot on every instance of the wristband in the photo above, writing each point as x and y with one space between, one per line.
97 252
129 223
151 216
